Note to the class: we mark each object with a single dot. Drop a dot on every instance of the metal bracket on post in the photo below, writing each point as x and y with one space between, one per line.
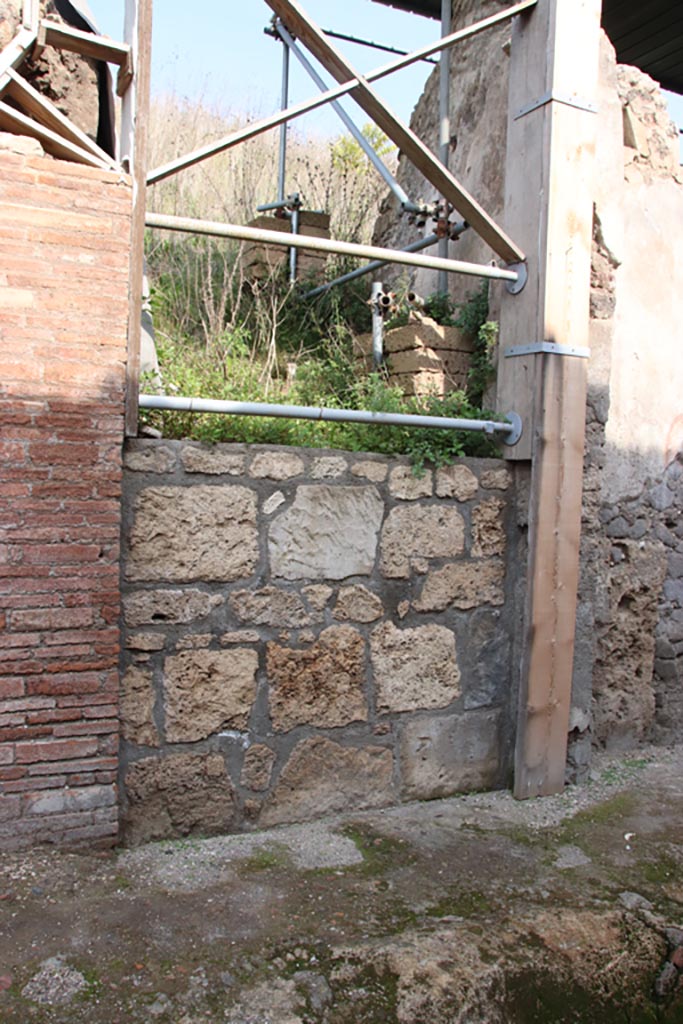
514 435
515 287
549 348
556 97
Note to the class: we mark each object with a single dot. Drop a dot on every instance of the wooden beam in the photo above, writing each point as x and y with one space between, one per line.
16 51
15 121
549 205
298 23
134 149
87 44
31 15
46 113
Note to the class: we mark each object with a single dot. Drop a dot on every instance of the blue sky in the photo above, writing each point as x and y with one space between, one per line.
224 59
222 56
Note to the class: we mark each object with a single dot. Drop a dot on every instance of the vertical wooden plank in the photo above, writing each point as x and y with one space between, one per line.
549 209
133 154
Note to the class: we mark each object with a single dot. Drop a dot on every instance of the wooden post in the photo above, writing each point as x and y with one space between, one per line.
134 146
549 210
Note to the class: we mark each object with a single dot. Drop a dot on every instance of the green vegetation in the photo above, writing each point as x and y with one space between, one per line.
223 335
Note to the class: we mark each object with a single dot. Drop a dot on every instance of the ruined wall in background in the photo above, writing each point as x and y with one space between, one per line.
628 681
308 632
478 95
65 236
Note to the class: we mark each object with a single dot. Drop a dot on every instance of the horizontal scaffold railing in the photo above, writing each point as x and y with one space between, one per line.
370 252
510 428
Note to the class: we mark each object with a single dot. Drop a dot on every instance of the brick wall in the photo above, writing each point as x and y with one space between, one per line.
64 232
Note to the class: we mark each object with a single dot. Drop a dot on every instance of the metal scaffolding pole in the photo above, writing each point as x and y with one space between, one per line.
444 122
348 121
282 170
372 252
509 430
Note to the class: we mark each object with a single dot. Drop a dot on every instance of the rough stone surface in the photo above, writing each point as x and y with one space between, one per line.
451 754
328 533
241 636
457 482
623 692
488 529
404 484
194 641
317 596
323 777
150 459
206 691
414 669
358 604
212 461
496 479
177 795
136 708
463 585
328 467
193 533
273 503
376 472
275 466
146 642
168 606
414 532
269 606
321 685
257 767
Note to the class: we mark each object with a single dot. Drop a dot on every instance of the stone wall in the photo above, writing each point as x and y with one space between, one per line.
309 631
65 235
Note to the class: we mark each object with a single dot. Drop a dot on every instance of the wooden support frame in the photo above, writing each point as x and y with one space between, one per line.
39 107
549 206
134 147
299 24
56 144
16 51
87 44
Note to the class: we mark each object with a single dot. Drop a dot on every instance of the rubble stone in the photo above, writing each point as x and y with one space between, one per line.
463 585
321 685
329 532
193 533
177 795
414 669
206 691
322 777
136 708
416 532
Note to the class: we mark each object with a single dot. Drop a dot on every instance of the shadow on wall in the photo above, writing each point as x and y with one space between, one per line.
60 485
628 674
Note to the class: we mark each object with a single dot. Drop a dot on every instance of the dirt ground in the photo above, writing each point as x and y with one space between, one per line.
472 910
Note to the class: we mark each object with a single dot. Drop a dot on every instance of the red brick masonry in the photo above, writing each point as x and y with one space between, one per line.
64 237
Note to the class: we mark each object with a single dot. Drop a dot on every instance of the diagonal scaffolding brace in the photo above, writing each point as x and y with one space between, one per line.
510 252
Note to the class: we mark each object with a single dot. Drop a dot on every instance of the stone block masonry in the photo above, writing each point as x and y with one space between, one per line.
64 232
310 631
